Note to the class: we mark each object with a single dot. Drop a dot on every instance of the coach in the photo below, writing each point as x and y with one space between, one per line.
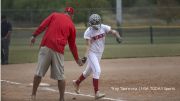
60 30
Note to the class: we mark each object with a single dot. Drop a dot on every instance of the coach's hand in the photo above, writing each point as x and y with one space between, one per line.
33 39
79 62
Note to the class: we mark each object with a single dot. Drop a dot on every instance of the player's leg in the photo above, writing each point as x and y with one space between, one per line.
57 72
94 64
94 59
82 77
44 59
85 74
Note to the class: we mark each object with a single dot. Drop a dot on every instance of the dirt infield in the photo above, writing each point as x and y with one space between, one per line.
130 79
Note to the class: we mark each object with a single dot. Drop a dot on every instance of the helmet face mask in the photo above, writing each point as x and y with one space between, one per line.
95 21
96 27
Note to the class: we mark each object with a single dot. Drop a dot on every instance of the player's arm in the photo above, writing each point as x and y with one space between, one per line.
88 44
88 41
116 34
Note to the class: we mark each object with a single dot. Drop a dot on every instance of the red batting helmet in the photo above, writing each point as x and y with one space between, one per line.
69 10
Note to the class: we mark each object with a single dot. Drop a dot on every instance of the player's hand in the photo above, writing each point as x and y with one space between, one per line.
119 39
79 62
84 60
32 40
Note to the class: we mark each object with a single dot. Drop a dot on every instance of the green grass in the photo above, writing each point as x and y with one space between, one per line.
141 50
136 43
25 54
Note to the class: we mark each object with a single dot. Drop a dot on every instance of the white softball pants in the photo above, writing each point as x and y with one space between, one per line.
93 65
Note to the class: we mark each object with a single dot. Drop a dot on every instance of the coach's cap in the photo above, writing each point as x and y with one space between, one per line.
69 10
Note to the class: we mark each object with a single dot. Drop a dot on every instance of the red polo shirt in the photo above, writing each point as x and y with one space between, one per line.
59 30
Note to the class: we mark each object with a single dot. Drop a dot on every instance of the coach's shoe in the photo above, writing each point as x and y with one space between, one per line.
61 99
98 95
76 87
33 98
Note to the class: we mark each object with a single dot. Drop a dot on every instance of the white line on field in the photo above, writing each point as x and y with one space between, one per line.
16 83
53 90
86 95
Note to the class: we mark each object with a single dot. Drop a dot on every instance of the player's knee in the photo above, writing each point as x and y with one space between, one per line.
98 72
96 75
86 74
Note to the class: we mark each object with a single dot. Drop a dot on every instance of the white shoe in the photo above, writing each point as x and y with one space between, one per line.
98 95
76 87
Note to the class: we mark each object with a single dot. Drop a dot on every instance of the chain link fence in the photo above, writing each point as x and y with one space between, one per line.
131 16
141 25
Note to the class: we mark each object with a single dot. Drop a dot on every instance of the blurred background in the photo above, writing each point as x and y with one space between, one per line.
134 12
148 27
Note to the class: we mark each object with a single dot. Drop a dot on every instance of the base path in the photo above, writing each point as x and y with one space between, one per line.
128 79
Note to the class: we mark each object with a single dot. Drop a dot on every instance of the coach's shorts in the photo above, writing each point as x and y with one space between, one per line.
47 57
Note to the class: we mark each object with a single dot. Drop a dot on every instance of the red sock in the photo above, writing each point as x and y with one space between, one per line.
95 84
81 78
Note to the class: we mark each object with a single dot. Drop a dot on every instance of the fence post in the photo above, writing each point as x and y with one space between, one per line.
31 16
119 29
151 35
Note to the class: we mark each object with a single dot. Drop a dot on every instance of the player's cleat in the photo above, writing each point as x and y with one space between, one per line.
98 95
76 87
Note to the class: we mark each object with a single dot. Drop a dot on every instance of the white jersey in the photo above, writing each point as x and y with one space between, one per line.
97 37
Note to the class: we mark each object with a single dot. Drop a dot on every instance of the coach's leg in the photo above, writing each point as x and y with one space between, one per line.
61 86
57 72
44 60
36 82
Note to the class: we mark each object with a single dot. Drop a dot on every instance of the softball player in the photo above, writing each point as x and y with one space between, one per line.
95 40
